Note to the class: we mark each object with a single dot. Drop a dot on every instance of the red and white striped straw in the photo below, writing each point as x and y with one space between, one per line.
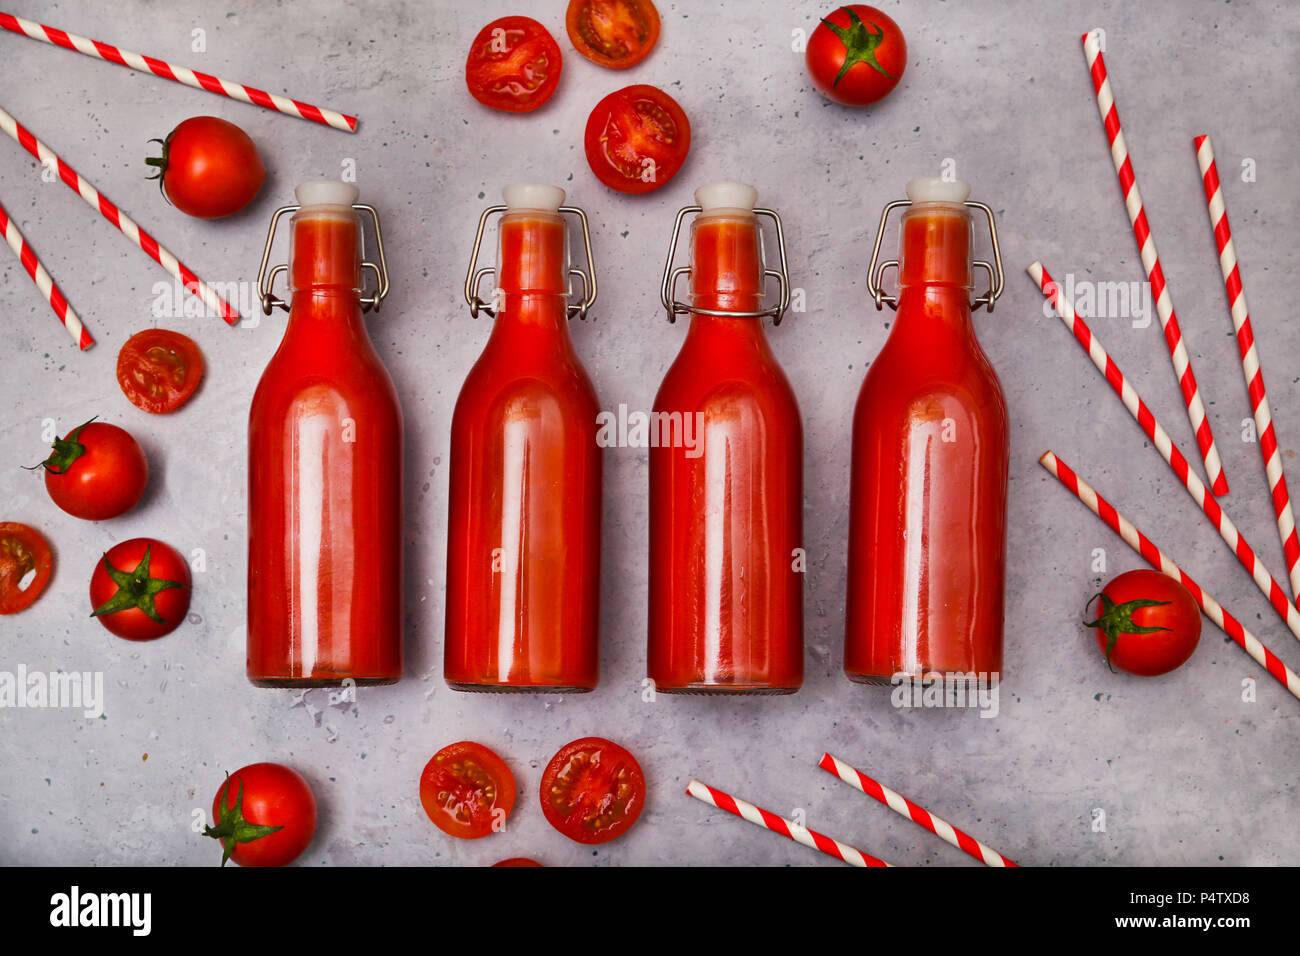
1168 450
787 828
179 74
66 313
1250 360
901 805
1151 263
1143 545
124 223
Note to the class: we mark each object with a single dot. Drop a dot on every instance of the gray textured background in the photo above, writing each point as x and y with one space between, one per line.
1186 771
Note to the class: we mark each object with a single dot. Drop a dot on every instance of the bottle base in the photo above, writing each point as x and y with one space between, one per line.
518 688
727 690
310 682
929 679
870 679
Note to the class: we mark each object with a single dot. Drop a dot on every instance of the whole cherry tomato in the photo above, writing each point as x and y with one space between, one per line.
265 815
208 168
856 55
140 589
1147 624
98 471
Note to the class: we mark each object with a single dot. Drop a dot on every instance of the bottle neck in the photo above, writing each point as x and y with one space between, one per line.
935 246
726 263
726 330
325 253
532 287
934 271
325 323
935 305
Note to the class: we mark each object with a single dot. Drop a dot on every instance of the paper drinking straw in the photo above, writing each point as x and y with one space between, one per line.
901 805
1151 264
1143 545
1250 360
66 313
1168 450
125 223
787 828
179 74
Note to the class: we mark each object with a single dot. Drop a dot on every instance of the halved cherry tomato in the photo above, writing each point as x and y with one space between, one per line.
613 33
158 370
141 589
467 790
96 472
637 139
264 815
593 790
514 65
24 555
517 861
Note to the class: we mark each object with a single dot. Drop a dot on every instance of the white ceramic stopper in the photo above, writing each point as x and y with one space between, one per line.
327 193
533 196
934 189
719 196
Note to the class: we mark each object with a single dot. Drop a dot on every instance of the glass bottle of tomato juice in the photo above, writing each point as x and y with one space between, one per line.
726 472
523 540
325 467
927 526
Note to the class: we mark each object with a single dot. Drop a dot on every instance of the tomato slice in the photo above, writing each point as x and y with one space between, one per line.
637 139
517 861
593 790
467 790
24 556
514 65
158 370
613 33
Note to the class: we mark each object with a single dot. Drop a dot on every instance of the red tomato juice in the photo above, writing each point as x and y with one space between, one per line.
726 591
325 481
928 502
523 546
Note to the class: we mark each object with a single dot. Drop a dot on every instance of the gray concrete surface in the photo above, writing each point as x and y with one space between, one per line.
1185 770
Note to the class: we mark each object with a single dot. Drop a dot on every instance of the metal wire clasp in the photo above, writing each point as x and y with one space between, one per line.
668 287
474 276
266 279
876 273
